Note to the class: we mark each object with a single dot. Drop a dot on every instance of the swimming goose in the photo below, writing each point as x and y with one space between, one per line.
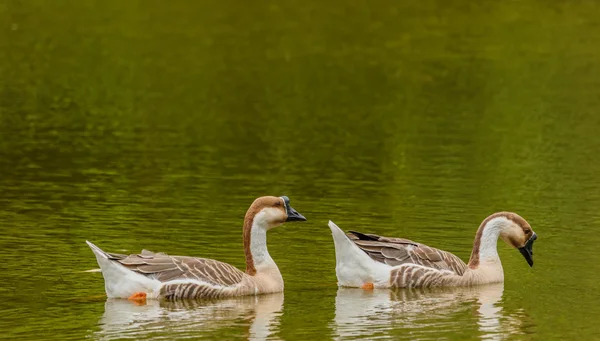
157 275
372 261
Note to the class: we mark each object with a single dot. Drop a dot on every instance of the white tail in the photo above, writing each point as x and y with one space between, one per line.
353 266
120 282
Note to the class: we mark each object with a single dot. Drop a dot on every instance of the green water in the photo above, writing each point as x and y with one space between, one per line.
155 124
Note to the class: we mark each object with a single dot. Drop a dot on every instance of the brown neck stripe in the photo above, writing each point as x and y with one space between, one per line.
474 260
248 220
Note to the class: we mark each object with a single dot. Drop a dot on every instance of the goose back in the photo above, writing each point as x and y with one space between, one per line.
399 251
166 268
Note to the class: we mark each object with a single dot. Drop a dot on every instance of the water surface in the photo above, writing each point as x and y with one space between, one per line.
155 124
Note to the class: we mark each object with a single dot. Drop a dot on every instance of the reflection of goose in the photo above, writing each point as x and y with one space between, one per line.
157 275
369 260
125 320
367 314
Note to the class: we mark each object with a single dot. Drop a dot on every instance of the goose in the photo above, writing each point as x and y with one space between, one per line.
150 275
371 261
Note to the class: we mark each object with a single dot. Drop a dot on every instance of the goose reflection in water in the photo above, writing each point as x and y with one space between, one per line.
381 313
123 319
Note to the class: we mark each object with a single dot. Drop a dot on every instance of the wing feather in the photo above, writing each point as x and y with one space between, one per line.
399 251
400 254
167 268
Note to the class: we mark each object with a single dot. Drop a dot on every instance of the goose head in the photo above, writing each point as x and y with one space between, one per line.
269 212
517 233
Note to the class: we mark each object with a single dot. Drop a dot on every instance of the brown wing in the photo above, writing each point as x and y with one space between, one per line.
165 268
398 251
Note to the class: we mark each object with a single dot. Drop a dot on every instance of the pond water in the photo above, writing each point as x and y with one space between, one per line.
137 124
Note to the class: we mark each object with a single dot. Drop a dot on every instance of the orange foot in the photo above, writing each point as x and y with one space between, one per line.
368 286
139 298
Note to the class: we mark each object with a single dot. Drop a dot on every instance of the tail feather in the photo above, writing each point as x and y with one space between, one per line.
353 266
97 251
344 246
336 231
119 281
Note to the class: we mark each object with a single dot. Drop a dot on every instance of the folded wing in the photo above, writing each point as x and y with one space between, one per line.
399 251
166 268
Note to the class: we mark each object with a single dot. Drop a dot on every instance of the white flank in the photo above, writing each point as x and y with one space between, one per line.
353 266
120 282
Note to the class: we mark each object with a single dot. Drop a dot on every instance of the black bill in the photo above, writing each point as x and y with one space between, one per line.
292 214
527 250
